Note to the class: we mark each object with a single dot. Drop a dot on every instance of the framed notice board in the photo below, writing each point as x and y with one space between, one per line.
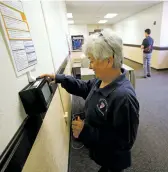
16 33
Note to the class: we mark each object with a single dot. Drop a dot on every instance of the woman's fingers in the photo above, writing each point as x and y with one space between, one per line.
47 75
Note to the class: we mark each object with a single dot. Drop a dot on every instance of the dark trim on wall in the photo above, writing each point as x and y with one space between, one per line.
63 65
155 47
160 48
6 154
16 152
163 69
132 45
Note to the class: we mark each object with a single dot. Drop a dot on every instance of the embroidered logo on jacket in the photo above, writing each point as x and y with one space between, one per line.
102 106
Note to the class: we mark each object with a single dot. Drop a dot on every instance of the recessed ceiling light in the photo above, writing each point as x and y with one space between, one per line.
70 22
69 15
110 15
102 21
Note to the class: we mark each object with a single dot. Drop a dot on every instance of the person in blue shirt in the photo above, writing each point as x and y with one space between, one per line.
147 46
111 108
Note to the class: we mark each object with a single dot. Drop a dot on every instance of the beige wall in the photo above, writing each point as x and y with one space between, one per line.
51 148
159 58
66 98
163 59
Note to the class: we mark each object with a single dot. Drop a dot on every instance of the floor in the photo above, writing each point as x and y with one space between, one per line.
150 152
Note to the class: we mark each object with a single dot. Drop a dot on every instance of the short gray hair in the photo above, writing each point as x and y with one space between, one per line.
104 45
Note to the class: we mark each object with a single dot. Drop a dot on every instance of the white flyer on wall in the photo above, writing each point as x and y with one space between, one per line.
30 49
15 4
31 57
6 11
15 31
15 24
21 61
18 35
17 45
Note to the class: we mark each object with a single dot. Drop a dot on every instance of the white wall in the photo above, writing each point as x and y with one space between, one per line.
163 55
85 29
132 32
132 29
79 30
164 26
39 35
92 27
11 110
57 34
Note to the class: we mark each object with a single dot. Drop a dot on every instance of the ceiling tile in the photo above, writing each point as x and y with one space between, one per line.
90 12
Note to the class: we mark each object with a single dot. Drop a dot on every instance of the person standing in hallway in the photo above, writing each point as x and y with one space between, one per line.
147 46
111 107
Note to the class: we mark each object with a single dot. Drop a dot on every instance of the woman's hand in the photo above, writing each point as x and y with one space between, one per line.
77 126
52 76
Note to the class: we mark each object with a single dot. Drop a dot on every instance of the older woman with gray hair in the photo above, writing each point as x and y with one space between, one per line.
111 107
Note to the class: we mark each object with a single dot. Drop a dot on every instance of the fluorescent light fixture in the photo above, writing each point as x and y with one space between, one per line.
102 21
70 22
110 15
69 15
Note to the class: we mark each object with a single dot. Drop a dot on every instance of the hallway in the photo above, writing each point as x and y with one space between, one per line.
45 38
150 153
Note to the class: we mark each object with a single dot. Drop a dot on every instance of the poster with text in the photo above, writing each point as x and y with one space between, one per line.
15 30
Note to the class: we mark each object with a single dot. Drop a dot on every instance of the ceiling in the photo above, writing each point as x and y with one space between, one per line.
90 12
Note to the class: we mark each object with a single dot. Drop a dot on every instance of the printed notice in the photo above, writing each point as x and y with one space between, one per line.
17 34
16 5
30 49
31 56
17 45
10 12
15 24
28 43
20 59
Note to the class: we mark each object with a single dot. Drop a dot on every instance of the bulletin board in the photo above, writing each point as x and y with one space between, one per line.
16 32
